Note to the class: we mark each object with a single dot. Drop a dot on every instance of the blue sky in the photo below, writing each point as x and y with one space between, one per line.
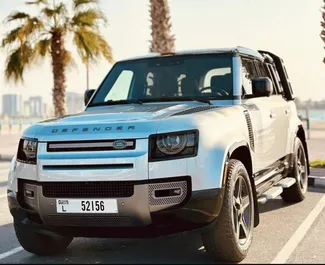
289 28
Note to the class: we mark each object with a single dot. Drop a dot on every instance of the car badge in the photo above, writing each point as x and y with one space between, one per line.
120 144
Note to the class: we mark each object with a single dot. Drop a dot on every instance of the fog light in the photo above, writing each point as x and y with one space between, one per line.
29 193
168 192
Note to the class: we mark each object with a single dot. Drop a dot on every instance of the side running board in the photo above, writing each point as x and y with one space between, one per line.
276 190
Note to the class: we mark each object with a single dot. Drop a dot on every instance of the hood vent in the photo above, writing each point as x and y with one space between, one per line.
195 110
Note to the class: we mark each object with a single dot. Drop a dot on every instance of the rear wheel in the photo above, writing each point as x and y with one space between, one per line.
38 243
231 237
297 192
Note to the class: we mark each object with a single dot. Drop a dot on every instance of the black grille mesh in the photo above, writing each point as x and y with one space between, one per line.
250 129
90 221
95 189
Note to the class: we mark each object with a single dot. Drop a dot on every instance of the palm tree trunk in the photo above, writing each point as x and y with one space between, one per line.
322 34
58 68
162 40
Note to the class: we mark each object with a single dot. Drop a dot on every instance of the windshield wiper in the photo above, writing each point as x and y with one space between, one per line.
117 102
158 99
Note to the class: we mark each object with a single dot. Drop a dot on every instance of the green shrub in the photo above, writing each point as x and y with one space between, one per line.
317 163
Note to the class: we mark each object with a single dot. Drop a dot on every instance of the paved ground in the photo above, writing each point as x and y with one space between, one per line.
286 234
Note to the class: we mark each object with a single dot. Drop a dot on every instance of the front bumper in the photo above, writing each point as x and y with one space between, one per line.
140 212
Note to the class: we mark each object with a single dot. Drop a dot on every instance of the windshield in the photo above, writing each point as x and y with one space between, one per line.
199 77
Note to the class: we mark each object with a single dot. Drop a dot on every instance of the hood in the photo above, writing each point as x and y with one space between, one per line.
116 121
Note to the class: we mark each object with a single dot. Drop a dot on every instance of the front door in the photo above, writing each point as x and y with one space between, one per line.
264 130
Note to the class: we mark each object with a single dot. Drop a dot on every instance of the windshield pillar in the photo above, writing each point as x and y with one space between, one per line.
237 78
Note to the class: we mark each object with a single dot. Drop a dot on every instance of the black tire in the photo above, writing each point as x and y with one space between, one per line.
297 192
40 244
221 241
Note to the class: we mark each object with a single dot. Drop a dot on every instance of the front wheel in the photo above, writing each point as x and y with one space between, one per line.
40 244
231 237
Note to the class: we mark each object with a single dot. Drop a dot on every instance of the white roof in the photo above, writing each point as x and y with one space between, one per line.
238 49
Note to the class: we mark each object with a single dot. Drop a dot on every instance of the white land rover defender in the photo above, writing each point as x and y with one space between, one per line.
195 140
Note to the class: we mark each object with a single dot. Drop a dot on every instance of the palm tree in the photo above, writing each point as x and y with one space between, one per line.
322 35
46 34
162 40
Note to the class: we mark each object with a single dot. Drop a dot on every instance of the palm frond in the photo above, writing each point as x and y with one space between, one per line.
68 59
42 47
12 36
89 18
32 24
84 43
48 12
17 62
16 15
91 46
60 10
23 32
79 3
36 2
105 49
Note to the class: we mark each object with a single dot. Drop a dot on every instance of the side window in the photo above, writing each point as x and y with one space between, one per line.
247 83
264 72
121 87
249 72
278 80
275 78
250 68
262 69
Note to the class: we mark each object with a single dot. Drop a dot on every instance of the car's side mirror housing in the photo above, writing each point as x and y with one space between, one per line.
262 86
88 94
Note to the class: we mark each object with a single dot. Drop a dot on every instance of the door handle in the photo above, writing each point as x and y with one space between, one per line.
272 115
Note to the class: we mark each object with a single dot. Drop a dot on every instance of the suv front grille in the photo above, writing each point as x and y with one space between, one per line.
96 145
95 189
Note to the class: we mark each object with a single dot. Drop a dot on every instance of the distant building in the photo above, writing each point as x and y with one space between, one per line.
36 105
74 102
10 105
27 109
48 111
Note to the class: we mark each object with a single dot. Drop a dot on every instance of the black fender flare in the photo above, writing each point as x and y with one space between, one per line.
300 133
236 145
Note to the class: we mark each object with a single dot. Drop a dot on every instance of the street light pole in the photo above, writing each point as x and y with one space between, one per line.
87 75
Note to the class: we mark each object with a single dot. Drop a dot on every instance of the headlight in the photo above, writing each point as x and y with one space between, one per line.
173 145
27 151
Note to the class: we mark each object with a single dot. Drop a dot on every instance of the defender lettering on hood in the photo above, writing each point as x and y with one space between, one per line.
94 129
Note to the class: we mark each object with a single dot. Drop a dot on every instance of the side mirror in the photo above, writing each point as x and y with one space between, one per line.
88 94
262 86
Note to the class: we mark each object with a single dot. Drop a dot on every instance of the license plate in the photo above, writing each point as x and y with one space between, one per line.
86 206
